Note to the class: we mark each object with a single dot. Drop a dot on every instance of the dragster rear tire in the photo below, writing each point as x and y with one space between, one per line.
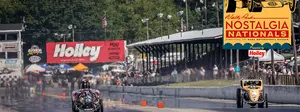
239 98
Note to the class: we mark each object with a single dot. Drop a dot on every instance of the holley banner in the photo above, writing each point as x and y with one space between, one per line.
249 24
85 52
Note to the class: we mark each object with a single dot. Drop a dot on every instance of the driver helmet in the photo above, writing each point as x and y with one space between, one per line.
85 84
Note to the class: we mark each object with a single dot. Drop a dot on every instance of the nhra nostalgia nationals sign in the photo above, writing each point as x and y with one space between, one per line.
85 52
251 24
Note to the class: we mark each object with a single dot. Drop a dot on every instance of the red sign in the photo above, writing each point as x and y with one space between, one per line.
85 52
257 53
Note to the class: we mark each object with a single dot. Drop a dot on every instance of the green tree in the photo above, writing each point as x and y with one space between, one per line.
45 18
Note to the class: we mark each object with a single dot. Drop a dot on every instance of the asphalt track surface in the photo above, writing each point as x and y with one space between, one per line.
120 102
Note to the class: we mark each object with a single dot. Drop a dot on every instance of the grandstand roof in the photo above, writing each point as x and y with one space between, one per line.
211 33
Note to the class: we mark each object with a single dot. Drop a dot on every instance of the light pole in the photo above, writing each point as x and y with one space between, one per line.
198 9
180 13
160 16
72 27
169 17
218 7
295 53
145 20
186 15
205 12
63 36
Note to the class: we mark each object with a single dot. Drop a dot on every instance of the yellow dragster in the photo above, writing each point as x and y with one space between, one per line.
256 5
251 92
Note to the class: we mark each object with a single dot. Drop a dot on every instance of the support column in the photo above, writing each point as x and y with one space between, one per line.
176 48
170 60
181 56
153 53
173 57
273 67
237 63
226 59
198 55
161 56
221 56
231 56
165 61
189 53
143 61
193 55
216 53
211 55
185 55
237 57
147 58
201 53
206 56
157 60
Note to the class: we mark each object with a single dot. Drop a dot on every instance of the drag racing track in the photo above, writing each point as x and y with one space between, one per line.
122 102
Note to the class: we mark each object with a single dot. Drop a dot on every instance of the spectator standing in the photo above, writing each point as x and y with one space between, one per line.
118 81
202 73
188 74
231 71
7 86
284 70
44 84
237 72
39 84
174 74
108 80
215 72
73 83
226 74
269 73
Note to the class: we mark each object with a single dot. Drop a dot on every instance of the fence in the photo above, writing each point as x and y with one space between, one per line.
277 79
245 74
180 78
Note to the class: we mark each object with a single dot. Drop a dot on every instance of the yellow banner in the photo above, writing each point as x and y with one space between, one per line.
265 24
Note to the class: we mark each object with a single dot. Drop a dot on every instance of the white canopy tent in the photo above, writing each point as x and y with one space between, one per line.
118 70
35 68
267 57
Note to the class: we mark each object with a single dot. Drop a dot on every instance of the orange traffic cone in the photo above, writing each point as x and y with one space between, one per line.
144 103
63 94
43 93
160 105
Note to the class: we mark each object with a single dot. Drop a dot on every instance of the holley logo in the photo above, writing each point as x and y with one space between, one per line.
256 53
61 50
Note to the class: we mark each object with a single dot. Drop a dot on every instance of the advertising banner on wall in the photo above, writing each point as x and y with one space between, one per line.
85 52
9 63
33 54
9 47
256 25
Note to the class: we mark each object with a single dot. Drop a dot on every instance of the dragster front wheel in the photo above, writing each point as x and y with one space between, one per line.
230 5
292 5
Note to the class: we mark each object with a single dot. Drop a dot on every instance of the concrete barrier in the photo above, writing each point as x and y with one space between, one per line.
283 94
276 94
